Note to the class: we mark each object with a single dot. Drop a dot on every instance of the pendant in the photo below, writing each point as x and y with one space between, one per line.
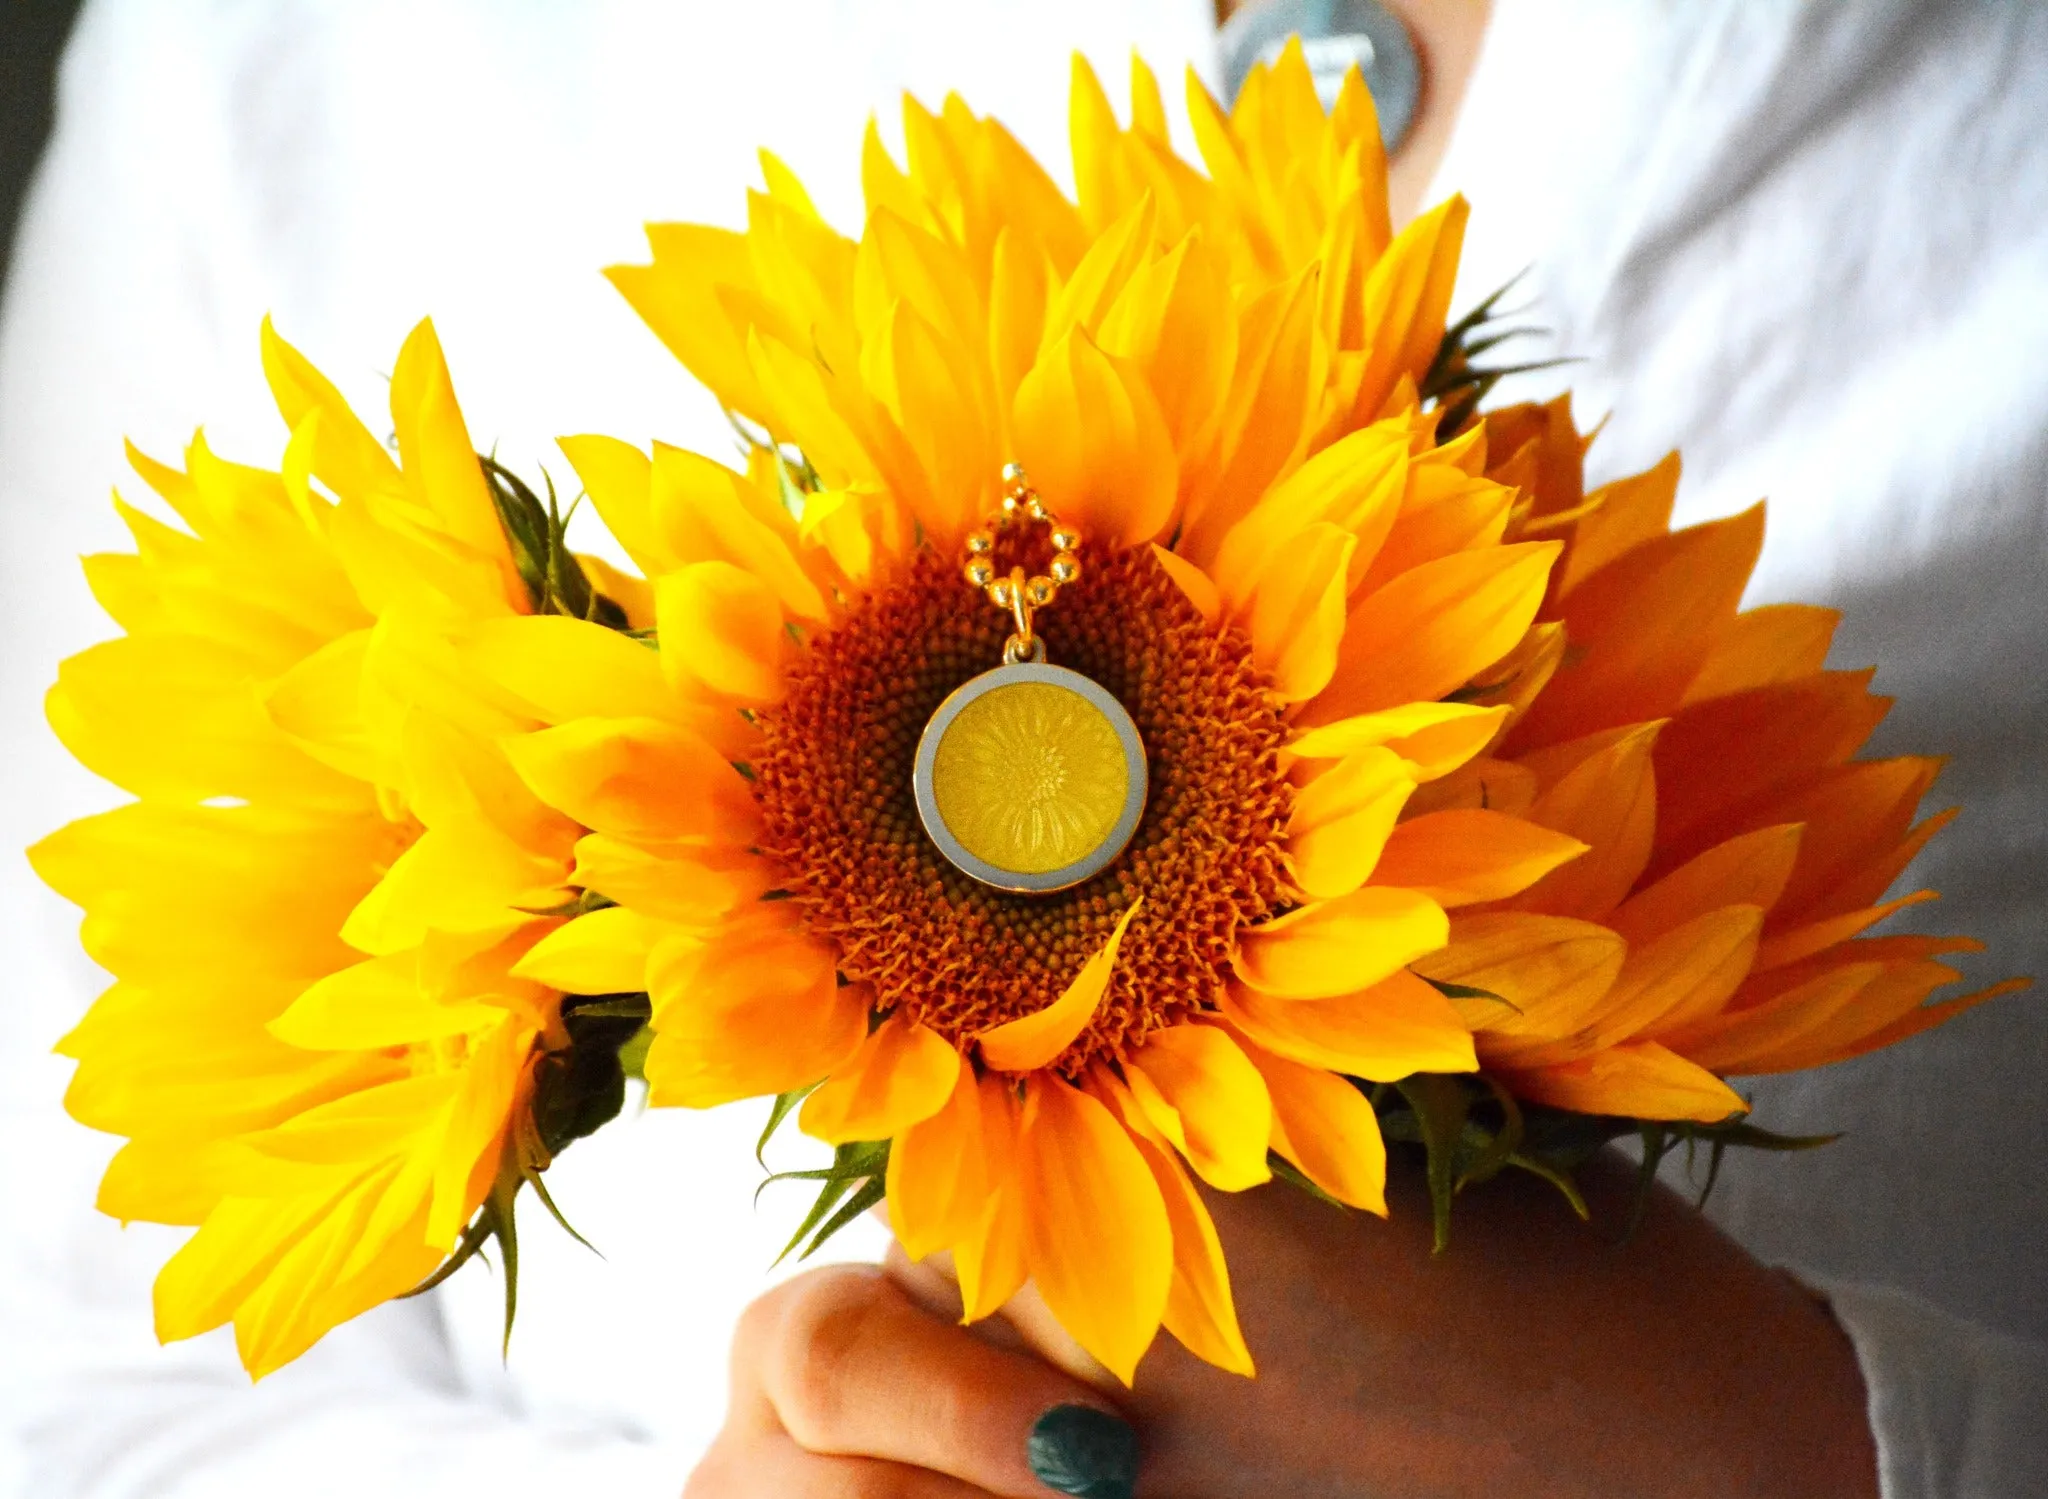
1030 778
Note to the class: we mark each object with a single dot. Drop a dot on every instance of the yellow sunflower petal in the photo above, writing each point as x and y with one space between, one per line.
1644 625
1750 869
1436 738
637 778
721 627
1608 801
1407 296
381 1002
1550 973
1297 614
991 1260
562 669
737 1018
1340 946
348 459
1091 436
680 884
1342 819
938 1184
1765 646
601 952
1200 1310
1193 582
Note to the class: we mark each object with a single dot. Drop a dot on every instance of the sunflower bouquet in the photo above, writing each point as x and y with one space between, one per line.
1132 719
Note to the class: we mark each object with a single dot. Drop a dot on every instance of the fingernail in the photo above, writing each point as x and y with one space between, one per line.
1079 1450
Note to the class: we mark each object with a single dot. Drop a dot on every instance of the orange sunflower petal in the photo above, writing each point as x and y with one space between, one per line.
1432 629
1466 855
1326 1127
1219 1099
1096 1233
1398 1026
904 1072
1026 1044
1641 1080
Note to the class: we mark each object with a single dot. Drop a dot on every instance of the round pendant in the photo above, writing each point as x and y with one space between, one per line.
1030 778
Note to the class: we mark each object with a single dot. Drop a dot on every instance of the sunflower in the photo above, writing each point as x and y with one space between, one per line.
313 1043
1262 555
1738 849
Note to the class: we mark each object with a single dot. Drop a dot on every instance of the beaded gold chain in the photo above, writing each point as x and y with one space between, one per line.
1022 594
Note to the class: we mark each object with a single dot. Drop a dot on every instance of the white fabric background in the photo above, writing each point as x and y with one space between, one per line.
1806 242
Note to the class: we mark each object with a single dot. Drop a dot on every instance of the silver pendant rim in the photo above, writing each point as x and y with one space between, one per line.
1136 766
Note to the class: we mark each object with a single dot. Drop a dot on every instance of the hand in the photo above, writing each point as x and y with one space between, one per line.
1538 1357
843 1389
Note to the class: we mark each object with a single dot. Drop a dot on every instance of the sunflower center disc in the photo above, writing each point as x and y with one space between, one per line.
1030 778
835 778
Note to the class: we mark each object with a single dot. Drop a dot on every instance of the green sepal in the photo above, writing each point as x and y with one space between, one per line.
576 1091
1558 1177
865 1196
1466 991
779 1110
581 1088
1455 381
633 1055
538 537
582 903
1493 1151
1440 1105
859 1168
1285 1170
494 1220
1471 1128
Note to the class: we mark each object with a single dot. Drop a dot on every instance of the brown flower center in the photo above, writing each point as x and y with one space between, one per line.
834 784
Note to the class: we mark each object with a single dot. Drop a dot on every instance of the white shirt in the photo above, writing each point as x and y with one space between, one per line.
1806 243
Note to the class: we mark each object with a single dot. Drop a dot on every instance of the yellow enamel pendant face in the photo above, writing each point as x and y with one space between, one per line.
1030 777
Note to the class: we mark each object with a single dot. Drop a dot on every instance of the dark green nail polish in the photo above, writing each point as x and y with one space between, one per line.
1079 1450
